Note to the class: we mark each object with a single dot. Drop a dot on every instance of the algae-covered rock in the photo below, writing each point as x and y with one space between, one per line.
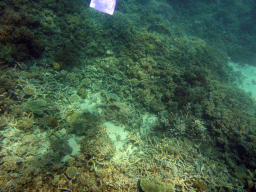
36 106
7 51
80 123
155 186
74 98
29 91
25 123
82 92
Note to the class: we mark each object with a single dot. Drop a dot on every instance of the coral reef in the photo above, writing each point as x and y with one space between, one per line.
149 186
17 40
188 126
186 151
36 106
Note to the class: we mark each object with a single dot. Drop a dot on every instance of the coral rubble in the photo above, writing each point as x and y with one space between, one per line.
129 102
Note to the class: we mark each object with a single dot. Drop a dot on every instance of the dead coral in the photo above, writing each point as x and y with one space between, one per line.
25 123
98 144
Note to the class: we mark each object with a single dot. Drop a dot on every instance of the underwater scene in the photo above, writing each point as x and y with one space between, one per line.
141 96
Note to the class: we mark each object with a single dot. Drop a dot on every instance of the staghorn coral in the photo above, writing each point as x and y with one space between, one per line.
146 73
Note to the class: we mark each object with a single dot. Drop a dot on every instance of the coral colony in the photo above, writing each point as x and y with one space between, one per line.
158 97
